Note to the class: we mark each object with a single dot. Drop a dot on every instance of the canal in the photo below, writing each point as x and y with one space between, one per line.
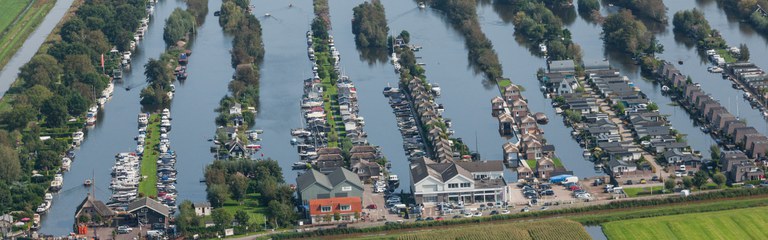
32 44
521 66
114 131
371 72
282 73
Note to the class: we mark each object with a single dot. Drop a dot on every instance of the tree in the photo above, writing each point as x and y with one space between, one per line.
714 153
719 179
55 111
369 24
10 167
178 26
19 117
620 108
221 218
623 32
76 104
281 214
83 218
670 184
743 53
37 94
242 217
218 194
336 216
239 186
406 36
587 6
157 72
43 69
687 182
699 179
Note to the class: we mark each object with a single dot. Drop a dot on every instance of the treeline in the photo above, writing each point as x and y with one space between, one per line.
321 24
616 206
247 53
462 14
693 24
179 26
650 9
199 9
369 24
623 32
586 7
748 10
536 22
59 83
234 180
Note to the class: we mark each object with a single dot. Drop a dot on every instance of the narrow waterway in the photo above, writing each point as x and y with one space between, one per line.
114 132
193 105
596 232
465 94
370 78
587 35
282 73
521 66
32 44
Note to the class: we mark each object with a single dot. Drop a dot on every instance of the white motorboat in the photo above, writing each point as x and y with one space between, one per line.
66 163
77 137
422 5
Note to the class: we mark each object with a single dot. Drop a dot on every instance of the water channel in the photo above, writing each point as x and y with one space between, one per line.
32 44
114 131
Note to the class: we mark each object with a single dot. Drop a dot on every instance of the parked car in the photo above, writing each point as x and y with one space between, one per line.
468 215
655 178
124 229
372 206
629 182
478 214
494 212
505 211
439 219
429 219
526 209
642 181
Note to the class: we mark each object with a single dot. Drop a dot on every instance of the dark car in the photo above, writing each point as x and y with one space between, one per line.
158 226
429 219
629 182
457 216
655 178
372 206
494 212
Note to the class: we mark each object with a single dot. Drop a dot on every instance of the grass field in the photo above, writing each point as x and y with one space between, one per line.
14 36
642 191
749 223
548 229
252 205
148 186
9 10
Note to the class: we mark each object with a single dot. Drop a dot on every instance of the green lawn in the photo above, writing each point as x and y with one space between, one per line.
748 223
330 96
642 191
13 36
726 55
9 10
148 186
252 205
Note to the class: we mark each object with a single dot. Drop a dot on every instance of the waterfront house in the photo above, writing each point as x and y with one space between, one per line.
235 148
722 118
236 109
677 157
363 156
450 182
6 224
713 113
524 171
96 211
329 150
313 184
512 93
679 80
703 101
366 170
511 154
347 209
532 149
327 163
647 119
740 134
149 211
732 126
528 125
506 125
708 106
661 145
544 167
582 104
594 117
625 151
561 82
519 108
498 106
758 148
202 208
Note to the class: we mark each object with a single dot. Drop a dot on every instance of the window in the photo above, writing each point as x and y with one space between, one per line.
453 185
466 185
346 207
346 218
325 208
346 188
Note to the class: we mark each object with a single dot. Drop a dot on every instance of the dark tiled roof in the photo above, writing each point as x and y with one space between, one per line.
149 203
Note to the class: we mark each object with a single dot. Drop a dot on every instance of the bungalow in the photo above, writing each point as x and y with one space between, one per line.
528 125
561 83
594 117
519 108
654 132
511 154
202 208
330 150
532 149
338 209
625 151
498 106
562 66
524 171
621 167
665 145
676 157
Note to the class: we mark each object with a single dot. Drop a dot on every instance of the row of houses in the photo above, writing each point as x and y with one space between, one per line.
429 114
362 161
751 145
751 76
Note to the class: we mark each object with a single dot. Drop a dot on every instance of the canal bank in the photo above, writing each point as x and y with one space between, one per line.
113 133
9 73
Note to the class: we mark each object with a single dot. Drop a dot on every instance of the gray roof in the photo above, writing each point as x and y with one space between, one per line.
339 175
90 201
202 204
562 66
7 218
149 203
483 166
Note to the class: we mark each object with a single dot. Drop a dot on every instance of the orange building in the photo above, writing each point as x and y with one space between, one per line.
323 210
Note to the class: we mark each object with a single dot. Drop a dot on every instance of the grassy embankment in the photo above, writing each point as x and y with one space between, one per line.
330 93
747 223
549 229
148 186
252 205
13 34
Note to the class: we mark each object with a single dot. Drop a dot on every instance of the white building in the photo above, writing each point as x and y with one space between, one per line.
468 182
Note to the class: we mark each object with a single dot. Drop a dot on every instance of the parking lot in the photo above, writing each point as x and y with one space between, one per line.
374 207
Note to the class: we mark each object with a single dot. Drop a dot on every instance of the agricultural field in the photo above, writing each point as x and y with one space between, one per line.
748 223
13 36
550 229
